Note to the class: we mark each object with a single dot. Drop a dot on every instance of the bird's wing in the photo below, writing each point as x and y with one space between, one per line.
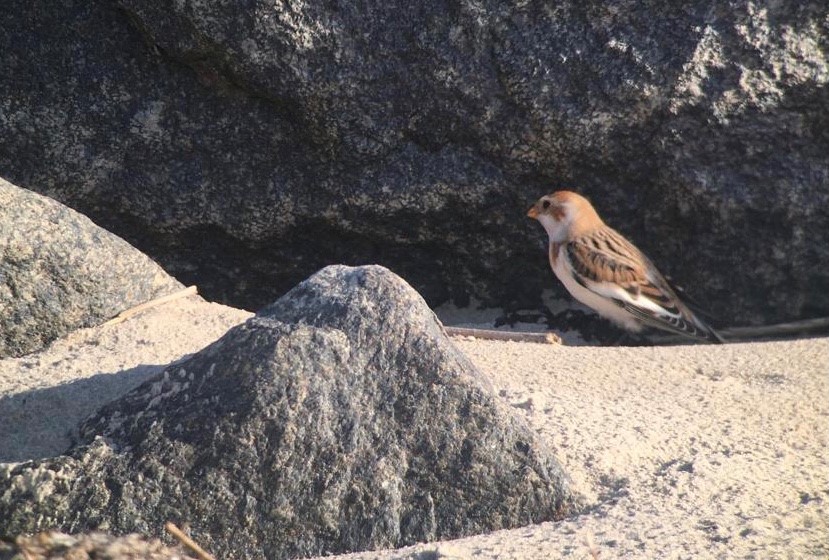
609 265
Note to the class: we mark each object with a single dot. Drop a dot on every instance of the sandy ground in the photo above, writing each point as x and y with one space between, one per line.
43 396
680 452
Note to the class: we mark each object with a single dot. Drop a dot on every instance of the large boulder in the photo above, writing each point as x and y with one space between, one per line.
339 418
244 146
60 272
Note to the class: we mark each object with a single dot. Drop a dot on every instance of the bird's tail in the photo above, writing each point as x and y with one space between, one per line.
714 336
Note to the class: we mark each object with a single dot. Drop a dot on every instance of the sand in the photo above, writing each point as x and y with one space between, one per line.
680 452
44 395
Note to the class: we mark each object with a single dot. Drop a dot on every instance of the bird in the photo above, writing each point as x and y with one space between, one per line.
606 272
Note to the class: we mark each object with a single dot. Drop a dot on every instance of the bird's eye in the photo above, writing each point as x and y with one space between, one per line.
546 204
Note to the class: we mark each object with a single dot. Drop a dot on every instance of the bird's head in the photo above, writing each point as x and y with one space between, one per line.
565 215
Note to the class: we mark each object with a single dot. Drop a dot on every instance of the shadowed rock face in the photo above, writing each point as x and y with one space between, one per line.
246 146
339 418
60 272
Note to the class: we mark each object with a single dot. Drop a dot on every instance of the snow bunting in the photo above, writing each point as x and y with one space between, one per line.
603 270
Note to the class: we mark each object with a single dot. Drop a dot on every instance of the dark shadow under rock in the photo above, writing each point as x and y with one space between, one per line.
340 418
245 145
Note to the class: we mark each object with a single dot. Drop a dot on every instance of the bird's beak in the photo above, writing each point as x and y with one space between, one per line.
533 213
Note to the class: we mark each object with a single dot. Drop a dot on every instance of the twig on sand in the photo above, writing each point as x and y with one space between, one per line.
780 329
126 314
734 334
543 338
591 546
188 542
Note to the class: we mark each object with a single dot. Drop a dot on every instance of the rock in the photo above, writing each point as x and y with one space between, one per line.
245 147
60 272
339 418
57 546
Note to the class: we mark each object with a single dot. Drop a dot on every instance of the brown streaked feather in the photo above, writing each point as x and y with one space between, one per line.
610 267
616 260
606 256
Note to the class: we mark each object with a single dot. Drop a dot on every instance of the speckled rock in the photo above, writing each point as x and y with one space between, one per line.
92 546
339 418
60 272
246 146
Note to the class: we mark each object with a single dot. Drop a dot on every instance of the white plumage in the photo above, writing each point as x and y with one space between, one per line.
606 272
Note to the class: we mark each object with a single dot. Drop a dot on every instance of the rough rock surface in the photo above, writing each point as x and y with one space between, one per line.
339 418
246 146
93 546
60 272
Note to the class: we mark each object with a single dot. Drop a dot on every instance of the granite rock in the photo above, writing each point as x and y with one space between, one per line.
340 418
52 545
246 146
59 272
